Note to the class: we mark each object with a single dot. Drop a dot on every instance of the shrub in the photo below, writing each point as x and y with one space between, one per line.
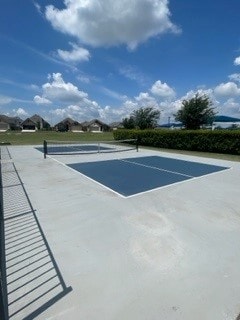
222 141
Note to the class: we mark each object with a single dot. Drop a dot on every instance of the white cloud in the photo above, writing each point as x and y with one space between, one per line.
73 102
41 100
146 100
34 87
60 91
20 112
132 73
235 77
169 108
230 107
237 61
227 89
19 84
110 23
77 54
162 90
84 79
5 100
113 94
190 94
80 113
38 7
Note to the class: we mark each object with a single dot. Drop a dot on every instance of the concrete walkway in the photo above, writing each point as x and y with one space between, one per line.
170 254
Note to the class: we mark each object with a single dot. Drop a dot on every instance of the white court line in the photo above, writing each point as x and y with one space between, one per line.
82 174
143 192
156 168
179 182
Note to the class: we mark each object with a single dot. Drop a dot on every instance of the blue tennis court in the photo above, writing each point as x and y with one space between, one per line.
131 176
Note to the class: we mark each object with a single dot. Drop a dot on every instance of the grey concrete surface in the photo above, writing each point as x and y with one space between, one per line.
171 254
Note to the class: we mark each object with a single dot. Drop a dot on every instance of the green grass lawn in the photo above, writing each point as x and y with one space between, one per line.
36 138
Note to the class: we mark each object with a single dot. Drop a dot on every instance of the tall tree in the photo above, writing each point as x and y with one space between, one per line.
195 112
145 118
128 123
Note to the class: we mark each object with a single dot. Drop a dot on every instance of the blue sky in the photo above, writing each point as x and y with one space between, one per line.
103 59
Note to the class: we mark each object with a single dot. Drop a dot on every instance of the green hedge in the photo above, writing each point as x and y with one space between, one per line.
223 141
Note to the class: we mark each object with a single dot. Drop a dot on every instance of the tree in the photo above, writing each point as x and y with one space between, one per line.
143 118
196 112
128 123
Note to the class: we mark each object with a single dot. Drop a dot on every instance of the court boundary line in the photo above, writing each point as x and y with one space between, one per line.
191 178
91 179
179 182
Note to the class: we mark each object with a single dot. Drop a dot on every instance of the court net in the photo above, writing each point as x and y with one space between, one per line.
81 147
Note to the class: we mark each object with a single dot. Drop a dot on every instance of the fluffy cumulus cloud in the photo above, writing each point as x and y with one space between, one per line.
72 101
235 77
80 113
231 106
144 99
20 112
110 23
41 100
162 90
208 92
225 100
237 61
227 89
76 104
77 54
58 90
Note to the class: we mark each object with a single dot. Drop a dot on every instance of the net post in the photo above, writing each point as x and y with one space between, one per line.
45 148
137 143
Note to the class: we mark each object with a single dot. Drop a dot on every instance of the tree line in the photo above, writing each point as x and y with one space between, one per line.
193 113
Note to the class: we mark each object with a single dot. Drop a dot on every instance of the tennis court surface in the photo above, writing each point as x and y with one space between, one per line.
131 176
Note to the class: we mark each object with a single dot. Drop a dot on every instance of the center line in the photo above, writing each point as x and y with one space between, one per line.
156 168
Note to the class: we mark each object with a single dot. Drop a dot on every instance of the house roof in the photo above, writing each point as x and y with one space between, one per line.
68 121
29 121
89 123
10 120
36 118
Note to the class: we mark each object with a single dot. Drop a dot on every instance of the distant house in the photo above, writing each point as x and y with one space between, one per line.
29 125
11 123
40 122
95 125
76 128
4 126
116 125
68 124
